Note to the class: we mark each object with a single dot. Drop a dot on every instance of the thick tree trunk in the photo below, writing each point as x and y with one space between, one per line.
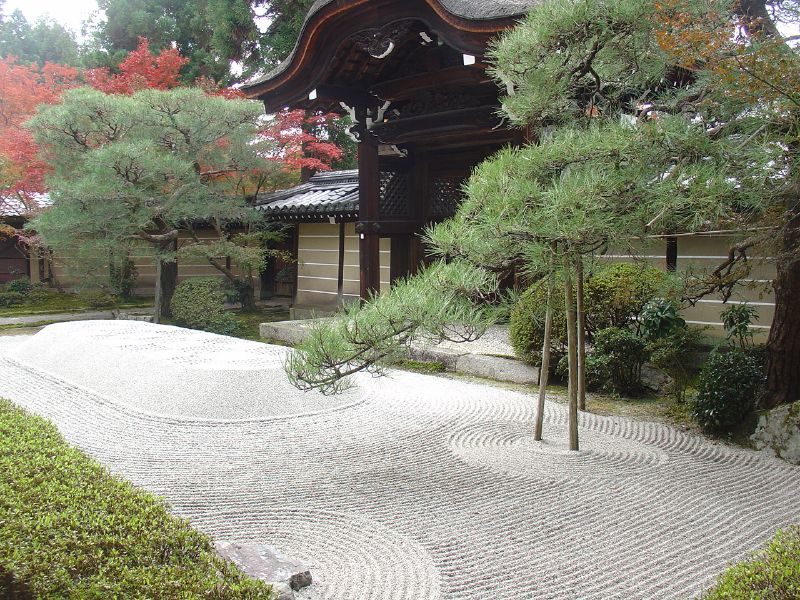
247 295
166 280
783 344
544 370
581 324
569 306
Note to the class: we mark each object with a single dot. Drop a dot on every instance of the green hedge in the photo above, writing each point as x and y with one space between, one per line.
771 574
68 529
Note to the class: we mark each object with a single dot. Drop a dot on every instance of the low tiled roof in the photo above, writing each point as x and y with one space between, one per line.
328 194
14 207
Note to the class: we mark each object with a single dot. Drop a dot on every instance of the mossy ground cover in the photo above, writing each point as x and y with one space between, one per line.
68 529
53 301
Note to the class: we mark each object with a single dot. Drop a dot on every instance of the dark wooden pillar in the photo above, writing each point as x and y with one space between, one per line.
369 214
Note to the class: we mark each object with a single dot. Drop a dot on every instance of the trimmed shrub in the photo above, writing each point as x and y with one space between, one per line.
99 299
771 574
199 304
19 286
676 355
726 390
68 529
616 295
620 353
12 298
526 325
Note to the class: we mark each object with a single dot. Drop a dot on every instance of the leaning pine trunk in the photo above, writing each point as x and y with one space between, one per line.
569 306
544 370
581 334
783 344
166 280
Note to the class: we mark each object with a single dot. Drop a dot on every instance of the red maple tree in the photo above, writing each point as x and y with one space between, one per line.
22 89
300 140
140 70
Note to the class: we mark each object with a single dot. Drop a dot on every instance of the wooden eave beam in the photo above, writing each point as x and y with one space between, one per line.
407 87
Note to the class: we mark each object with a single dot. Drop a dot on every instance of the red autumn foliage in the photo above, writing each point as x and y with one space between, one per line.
298 141
140 70
22 89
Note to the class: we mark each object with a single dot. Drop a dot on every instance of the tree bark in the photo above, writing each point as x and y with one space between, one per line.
544 370
166 280
783 345
581 339
569 306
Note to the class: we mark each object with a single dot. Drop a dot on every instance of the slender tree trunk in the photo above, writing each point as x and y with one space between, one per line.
581 324
544 371
783 345
158 314
569 306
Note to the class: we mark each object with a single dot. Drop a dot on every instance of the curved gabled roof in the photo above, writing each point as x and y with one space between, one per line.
480 16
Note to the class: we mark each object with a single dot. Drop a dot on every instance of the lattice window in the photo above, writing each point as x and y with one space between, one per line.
394 192
445 196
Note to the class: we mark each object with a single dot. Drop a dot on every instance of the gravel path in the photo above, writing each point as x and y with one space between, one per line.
413 487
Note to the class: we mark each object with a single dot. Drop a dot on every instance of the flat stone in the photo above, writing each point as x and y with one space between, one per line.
779 430
289 332
494 367
445 356
266 563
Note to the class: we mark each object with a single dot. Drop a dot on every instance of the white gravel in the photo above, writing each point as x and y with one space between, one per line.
422 488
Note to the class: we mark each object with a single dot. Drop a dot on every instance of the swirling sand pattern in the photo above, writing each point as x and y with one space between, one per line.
423 487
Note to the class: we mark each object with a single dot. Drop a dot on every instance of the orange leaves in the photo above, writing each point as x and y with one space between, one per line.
743 61
140 70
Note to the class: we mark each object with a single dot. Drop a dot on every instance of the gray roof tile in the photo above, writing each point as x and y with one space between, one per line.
329 194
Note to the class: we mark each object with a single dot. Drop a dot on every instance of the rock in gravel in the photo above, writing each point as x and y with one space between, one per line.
779 429
282 591
266 563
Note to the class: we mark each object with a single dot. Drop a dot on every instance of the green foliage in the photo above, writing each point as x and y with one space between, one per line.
541 63
19 286
771 574
41 42
617 294
443 301
659 318
614 298
726 390
12 298
68 529
675 353
199 304
619 353
100 299
737 319
134 170
526 325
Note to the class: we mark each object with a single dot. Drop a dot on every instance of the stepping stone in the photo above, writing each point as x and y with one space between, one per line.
267 564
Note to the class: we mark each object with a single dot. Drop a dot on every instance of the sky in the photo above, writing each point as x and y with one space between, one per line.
70 13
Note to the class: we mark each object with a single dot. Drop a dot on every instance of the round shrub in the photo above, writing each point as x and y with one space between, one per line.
19 286
616 295
526 325
199 304
726 390
621 353
12 298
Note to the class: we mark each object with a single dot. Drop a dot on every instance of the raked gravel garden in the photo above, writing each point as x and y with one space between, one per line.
406 487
